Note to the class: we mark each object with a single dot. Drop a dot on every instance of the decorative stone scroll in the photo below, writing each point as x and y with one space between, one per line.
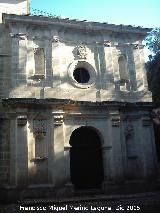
81 51
39 128
21 120
129 131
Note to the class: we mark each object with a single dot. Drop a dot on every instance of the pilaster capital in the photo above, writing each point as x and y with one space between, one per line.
21 120
107 43
19 36
115 118
58 118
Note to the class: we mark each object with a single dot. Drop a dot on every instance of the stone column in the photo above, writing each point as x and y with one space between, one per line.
117 160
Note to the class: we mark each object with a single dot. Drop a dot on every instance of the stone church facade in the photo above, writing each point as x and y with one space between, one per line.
75 108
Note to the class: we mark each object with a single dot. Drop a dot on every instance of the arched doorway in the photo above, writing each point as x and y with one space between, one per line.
86 162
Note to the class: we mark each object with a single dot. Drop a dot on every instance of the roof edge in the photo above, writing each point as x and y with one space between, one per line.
73 23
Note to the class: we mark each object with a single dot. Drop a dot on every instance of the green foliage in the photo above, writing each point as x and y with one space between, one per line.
153 65
153 75
153 40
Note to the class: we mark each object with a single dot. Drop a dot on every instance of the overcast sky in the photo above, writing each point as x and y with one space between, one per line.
129 12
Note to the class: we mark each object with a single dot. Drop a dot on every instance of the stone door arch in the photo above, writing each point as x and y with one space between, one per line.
86 163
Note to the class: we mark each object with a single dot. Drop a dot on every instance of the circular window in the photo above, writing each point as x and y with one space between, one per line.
81 75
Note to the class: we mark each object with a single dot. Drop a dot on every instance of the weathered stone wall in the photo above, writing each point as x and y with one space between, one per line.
36 127
13 7
35 143
5 62
65 50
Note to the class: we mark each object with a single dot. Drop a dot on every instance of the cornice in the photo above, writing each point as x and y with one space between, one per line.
74 24
52 103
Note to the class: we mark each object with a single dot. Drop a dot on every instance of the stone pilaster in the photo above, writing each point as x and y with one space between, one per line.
13 154
22 57
58 150
50 139
15 58
48 62
147 145
56 62
138 68
109 68
131 68
107 164
117 160
143 69
67 164
115 68
22 151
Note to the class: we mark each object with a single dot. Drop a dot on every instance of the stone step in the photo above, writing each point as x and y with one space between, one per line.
96 198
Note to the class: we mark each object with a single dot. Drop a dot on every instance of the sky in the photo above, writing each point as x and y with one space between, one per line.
128 12
143 13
